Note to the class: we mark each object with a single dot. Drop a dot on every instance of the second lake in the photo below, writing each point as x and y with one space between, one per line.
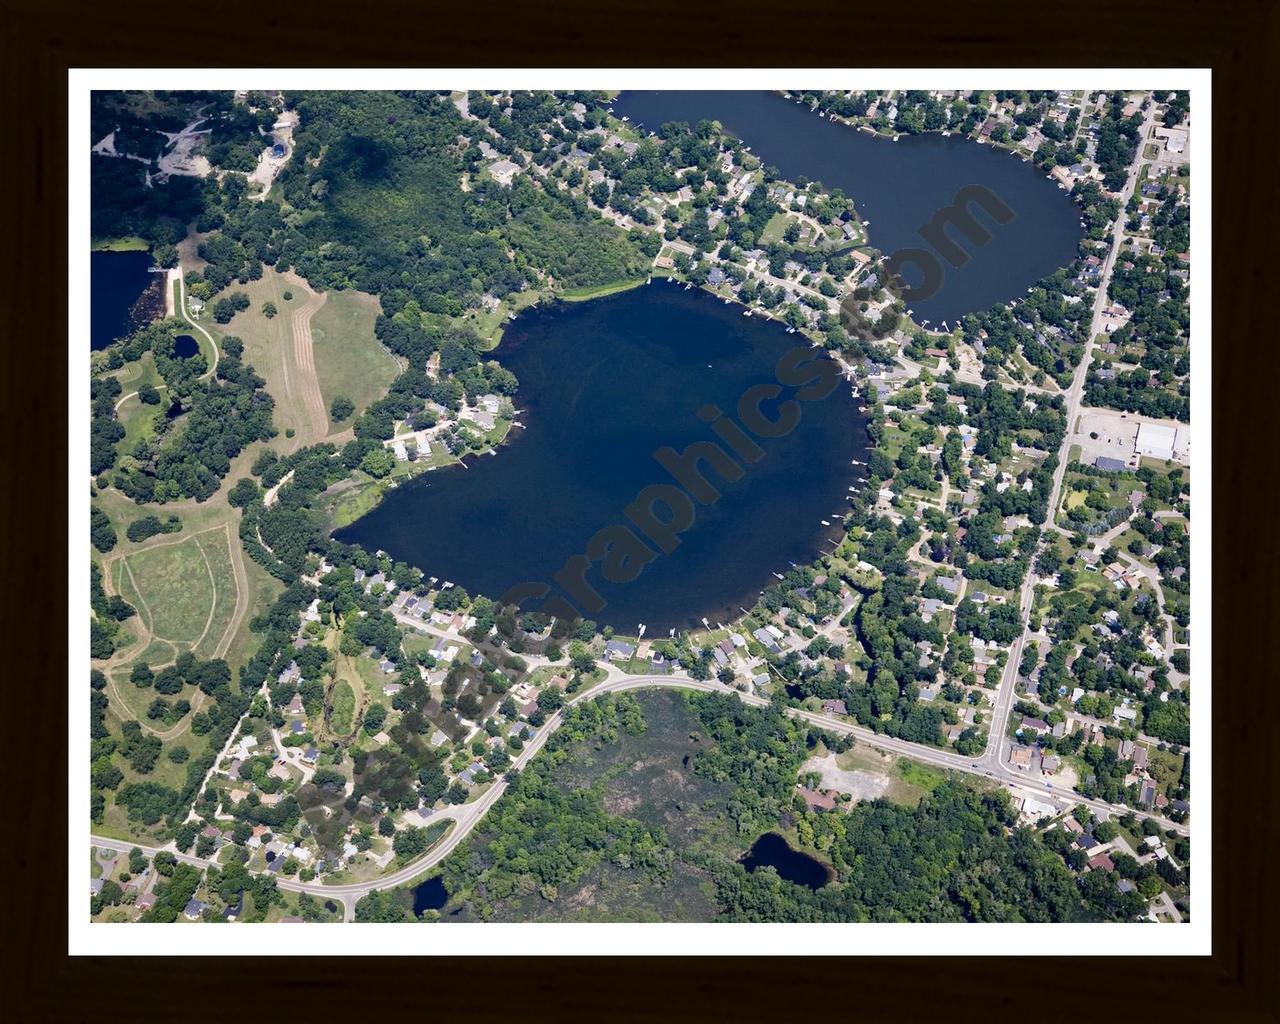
898 187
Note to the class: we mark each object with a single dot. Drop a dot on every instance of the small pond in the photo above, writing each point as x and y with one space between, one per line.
430 895
185 346
772 850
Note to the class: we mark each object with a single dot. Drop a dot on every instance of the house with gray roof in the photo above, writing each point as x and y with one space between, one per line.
618 650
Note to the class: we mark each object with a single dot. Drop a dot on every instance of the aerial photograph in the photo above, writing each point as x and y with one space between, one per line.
528 506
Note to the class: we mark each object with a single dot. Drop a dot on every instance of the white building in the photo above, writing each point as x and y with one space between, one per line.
1156 440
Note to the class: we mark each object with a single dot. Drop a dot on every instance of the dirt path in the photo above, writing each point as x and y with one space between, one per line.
242 594
308 384
146 635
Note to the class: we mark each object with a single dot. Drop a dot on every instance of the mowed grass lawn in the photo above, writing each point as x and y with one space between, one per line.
349 360
137 419
268 343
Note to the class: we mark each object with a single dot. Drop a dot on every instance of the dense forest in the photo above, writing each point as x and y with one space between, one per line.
221 415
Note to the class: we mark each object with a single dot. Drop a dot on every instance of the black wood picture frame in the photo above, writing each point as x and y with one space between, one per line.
41 39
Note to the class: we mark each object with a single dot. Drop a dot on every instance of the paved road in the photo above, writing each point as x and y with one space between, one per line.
468 815
999 742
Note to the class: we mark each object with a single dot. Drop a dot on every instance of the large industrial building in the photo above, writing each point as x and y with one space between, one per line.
1163 442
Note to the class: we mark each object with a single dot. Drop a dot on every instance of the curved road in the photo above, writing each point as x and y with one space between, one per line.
468 815
182 308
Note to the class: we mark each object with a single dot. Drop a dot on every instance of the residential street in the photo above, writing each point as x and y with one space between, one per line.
999 742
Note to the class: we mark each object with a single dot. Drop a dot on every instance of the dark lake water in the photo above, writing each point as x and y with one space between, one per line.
603 385
898 187
185 346
116 280
772 850
430 895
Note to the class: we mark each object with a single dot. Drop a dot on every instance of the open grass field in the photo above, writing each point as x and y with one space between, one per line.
137 419
595 292
214 546
174 590
349 360
125 696
919 775
271 348
133 375
243 589
139 422
115 820
898 779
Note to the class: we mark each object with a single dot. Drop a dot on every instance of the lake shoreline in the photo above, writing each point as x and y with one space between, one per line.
899 191
553 401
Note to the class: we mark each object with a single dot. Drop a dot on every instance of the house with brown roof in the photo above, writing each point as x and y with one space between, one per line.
1020 757
817 800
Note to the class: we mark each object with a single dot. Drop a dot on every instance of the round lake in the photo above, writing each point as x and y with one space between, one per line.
899 187
604 385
